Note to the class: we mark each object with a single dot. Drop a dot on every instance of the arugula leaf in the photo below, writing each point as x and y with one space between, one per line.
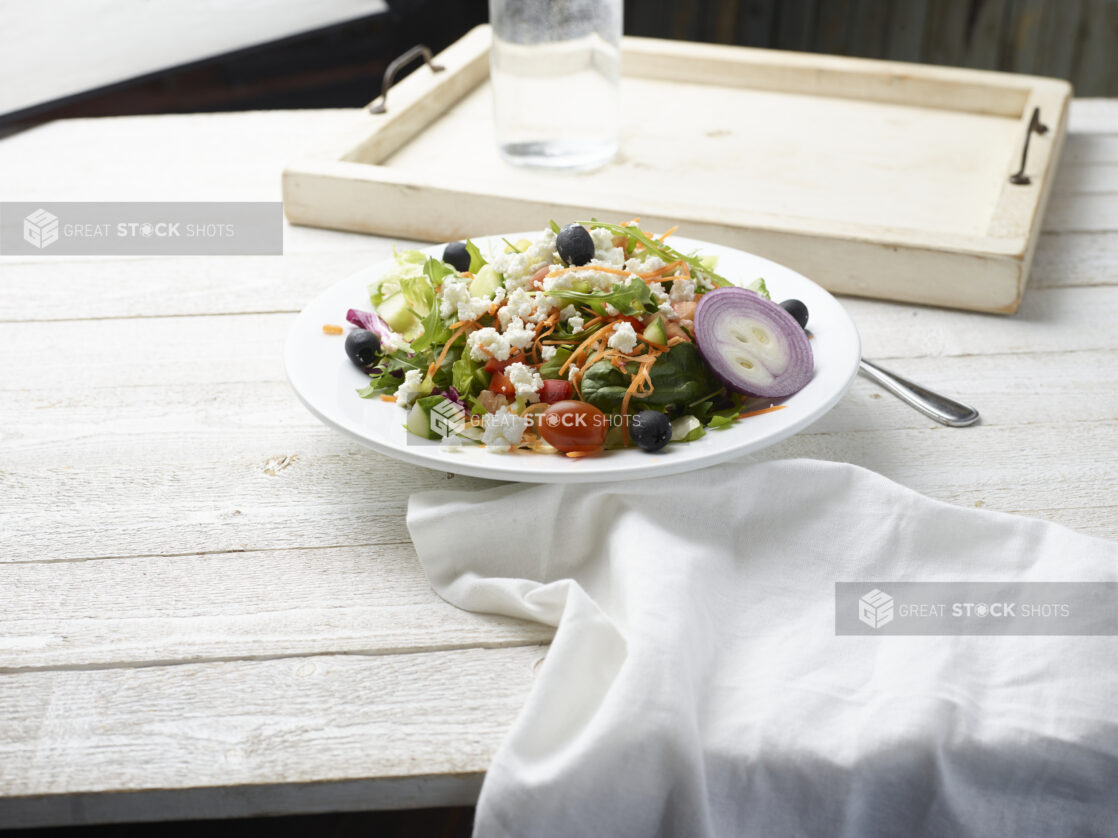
435 332
477 261
759 286
554 227
634 298
723 418
658 248
467 376
385 381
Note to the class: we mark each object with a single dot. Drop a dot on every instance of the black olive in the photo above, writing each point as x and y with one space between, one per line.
362 347
575 245
457 256
798 310
651 430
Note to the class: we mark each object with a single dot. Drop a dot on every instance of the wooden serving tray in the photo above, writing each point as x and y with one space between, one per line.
874 178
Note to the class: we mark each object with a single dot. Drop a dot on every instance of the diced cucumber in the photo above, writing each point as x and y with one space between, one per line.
419 422
486 283
519 246
581 285
686 429
397 314
654 331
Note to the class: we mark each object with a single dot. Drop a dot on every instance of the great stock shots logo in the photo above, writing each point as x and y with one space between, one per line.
875 609
447 418
140 228
40 228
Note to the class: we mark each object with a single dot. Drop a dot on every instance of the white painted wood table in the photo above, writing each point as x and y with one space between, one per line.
209 605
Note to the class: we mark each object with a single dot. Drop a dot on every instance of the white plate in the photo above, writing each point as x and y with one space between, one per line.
326 382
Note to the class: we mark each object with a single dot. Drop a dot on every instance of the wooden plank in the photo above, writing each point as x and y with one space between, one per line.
756 22
795 24
834 25
97 474
950 32
247 731
1083 213
161 610
871 21
904 33
1094 69
1069 259
1042 37
1040 473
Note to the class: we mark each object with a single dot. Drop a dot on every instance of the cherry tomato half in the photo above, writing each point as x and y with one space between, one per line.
493 365
574 426
555 390
501 385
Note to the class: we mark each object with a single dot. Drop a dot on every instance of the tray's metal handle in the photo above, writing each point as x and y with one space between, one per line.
1035 126
380 104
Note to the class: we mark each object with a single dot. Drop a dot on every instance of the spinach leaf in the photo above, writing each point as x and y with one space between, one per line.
679 377
550 369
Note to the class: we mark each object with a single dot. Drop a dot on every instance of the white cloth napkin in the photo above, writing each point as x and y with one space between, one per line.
696 687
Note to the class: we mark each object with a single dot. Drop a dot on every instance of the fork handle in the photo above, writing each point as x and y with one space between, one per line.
944 410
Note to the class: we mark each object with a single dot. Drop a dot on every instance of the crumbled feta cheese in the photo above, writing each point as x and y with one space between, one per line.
502 429
604 251
647 265
450 296
667 312
659 295
486 343
624 337
568 313
456 303
683 290
525 380
558 280
610 310
407 392
517 268
530 307
548 352
572 371
518 335
576 324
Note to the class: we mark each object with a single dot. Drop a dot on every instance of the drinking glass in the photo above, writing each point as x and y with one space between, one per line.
555 69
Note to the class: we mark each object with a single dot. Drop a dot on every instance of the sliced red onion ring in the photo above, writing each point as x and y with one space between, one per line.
751 344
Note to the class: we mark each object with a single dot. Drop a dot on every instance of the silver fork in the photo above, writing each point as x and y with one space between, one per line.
944 410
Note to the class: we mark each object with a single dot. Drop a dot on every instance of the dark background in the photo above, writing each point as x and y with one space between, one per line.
342 66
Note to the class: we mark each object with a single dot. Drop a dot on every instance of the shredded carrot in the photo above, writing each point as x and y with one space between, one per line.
574 455
641 385
678 339
577 355
388 398
763 410
659 273
672 230
331 329
446 347
631 222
